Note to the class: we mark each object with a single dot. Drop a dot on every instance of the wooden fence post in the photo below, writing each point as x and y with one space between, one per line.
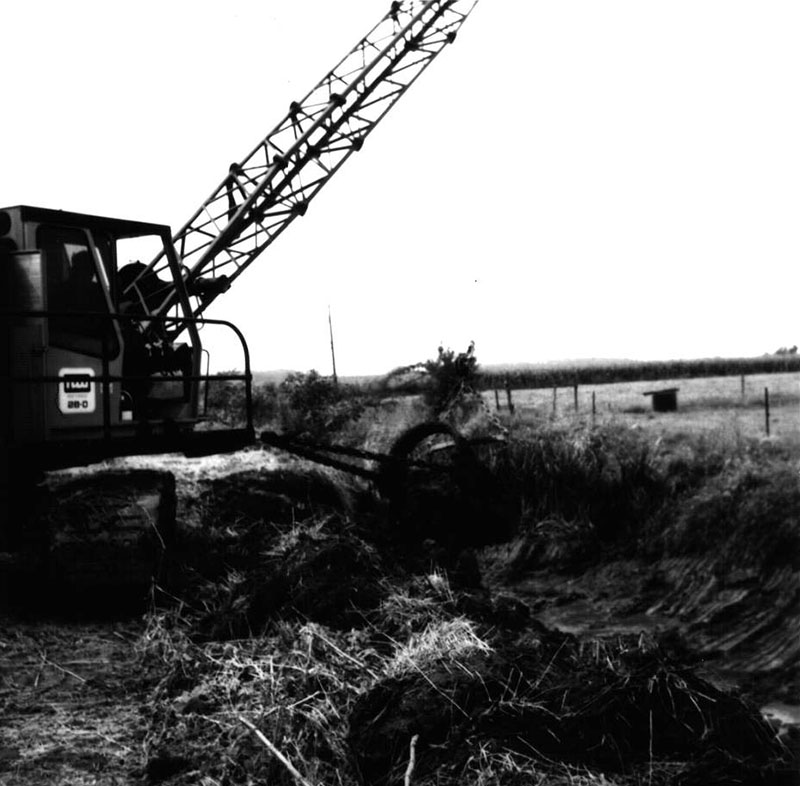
554 401
766 409
508 396
594 405
497 399
575 395
742 383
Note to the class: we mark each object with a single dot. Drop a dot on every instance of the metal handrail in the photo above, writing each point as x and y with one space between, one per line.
105 378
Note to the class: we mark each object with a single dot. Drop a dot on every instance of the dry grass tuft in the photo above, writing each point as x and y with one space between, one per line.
295 686
445 643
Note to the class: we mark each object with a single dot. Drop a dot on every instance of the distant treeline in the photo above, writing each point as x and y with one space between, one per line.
567 374
633 371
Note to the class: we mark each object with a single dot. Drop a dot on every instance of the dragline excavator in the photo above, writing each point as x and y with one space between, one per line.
102 357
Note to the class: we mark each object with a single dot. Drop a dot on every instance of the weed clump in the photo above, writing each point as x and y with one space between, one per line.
314 407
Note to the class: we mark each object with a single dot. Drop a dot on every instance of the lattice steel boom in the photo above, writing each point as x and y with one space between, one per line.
262 194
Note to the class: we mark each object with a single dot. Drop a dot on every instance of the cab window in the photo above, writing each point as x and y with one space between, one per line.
74 289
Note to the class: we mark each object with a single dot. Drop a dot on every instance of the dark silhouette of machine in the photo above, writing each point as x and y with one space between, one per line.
101 356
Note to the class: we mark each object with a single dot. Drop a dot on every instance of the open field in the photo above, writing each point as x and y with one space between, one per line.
705 405
597 372
524 376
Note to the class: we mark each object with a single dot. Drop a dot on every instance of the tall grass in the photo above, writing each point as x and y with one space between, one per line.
583 491
606 476
748 513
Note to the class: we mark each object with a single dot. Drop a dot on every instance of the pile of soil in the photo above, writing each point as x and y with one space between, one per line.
320 570
273 496
620 709
273 544
96 541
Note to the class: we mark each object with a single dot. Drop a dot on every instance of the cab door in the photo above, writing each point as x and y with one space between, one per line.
83 342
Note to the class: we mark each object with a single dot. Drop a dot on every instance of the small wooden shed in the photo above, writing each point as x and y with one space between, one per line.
664 400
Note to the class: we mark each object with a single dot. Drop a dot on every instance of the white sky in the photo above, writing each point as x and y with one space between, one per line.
571 179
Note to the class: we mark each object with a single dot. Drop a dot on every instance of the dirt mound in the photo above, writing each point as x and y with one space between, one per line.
318 570
98 539
274 495
321 574
622 709
263 545
233 518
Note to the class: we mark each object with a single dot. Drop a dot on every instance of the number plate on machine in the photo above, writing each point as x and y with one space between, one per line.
76 391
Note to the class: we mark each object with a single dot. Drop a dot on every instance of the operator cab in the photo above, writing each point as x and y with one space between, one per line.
84 342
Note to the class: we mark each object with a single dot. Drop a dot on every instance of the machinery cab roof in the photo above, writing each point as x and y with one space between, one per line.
118 228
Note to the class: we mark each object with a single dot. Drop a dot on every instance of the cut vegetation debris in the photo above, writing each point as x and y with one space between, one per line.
323 651
310 641
341 709
446 643
620 710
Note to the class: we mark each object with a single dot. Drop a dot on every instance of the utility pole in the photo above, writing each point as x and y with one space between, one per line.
333 353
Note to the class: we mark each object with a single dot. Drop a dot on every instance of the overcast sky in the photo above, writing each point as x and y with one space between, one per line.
571 179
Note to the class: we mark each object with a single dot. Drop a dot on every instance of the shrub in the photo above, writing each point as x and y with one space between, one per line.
226 402
313 406
304 404
453 379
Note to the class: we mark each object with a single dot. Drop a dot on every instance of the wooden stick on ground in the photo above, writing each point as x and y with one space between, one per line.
48 662
412 759
276 753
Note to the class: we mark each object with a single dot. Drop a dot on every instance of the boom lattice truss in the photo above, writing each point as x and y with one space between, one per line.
262 194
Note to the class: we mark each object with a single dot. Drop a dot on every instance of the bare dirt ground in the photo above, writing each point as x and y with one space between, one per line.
750 650
71 695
